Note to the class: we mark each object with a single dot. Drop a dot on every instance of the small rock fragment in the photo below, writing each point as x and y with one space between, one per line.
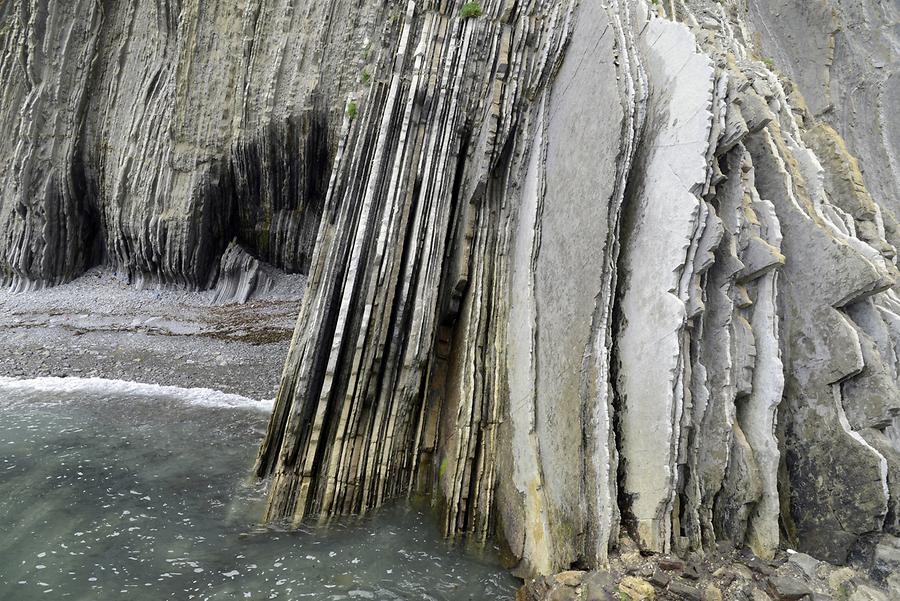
805 562
887 557
786 588
893 585
712 593
865 592
692 572
637 589
685 591
599 586
671 564
660 579
838 578
533 590
760 567
759 595
570 577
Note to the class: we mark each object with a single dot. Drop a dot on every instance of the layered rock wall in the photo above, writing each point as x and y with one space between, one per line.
593 269
147 135
576 269
843 54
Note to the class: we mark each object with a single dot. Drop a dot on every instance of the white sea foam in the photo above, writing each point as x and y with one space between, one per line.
124 389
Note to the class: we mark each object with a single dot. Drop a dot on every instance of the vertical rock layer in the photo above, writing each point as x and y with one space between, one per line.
575 268
589 268
149 134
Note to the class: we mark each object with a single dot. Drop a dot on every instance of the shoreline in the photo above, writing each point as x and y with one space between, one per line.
202 397
99 326
99 333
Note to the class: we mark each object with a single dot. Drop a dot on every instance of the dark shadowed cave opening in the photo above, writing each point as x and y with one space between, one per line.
267 194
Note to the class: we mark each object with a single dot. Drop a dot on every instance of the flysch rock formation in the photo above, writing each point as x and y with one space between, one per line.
148 135
576 269
843 55
593 268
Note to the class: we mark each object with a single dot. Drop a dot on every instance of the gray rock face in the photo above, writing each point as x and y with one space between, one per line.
148 135
649 290
582 269
844 55
240 276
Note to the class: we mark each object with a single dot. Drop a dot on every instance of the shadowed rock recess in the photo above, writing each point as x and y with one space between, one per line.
576 269
149 135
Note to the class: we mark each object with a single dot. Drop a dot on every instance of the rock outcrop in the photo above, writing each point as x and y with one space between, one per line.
593 268
241 275
842 54
728 576
147 135
576 269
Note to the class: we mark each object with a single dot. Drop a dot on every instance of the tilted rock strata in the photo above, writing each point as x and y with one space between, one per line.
844 55
666 220
592 267
574 268
147 135
241 275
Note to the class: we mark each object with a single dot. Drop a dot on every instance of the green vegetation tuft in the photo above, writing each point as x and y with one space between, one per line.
352 109
470 10
768 62
365 76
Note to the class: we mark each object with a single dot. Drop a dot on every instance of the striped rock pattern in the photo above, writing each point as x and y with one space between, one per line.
591 269
148 135
575 269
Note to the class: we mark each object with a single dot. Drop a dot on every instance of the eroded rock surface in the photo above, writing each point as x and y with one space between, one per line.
582 269
148 135
600 271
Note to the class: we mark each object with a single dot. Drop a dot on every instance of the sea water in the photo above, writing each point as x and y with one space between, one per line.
113 491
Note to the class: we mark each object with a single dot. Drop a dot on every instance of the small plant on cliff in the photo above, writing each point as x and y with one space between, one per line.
352 109
768 62
470 10
365 76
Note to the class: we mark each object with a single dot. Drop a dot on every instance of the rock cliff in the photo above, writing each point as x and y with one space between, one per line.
576 269
148 135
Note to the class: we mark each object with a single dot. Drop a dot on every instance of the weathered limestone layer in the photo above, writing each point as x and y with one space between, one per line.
576 269
844 55
593 268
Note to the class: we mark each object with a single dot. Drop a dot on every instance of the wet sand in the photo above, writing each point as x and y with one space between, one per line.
100 326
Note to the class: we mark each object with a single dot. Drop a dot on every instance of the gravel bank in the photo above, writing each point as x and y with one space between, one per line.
99 326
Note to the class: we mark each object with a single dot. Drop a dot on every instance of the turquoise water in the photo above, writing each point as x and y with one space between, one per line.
108 496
